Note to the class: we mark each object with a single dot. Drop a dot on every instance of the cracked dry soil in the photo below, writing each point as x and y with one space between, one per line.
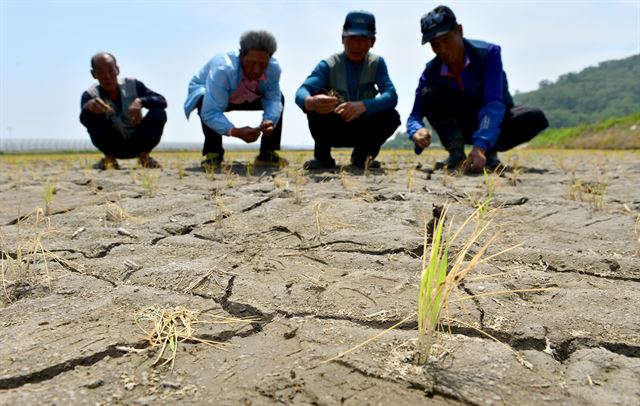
324 261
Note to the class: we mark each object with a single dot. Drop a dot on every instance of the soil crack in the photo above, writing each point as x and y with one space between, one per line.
68 365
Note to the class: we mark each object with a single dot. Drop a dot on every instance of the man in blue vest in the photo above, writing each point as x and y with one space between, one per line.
248 79
112 113
463 94
349 98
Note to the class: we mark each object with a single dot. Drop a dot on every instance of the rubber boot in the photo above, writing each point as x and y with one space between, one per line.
456 153
493 162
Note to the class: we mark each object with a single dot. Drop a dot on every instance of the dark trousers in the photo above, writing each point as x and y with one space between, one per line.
365 134
213 140
449 114
109 141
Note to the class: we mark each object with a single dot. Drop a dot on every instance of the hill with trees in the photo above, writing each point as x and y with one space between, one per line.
597 93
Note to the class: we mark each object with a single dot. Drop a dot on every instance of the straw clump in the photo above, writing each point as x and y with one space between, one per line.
171 326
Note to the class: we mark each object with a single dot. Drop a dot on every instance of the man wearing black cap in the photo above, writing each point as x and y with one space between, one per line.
349 98
464 95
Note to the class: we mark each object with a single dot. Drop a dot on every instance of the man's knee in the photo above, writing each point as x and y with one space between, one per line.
156 116
436 100
385 122
539 119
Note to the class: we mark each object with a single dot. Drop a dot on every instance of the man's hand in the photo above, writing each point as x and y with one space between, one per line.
422 138
351 110
135 111
476 160
266 127
247 134
320 103
97 106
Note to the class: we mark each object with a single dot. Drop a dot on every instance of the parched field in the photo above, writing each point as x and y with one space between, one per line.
314 264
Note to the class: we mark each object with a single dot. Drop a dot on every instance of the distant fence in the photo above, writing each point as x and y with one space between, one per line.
14 145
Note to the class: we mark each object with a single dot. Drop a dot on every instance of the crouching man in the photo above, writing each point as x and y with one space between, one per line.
112 113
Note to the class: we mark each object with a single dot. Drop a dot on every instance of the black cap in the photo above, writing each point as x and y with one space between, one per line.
361 23
436 23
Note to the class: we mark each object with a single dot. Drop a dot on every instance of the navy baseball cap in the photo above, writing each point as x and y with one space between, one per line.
361 23
437 23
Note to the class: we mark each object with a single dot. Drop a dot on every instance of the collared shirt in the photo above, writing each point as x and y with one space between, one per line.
318 82
247 91
445 70
484 74
219 79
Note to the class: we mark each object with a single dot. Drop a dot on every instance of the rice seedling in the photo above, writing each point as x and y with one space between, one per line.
492 179
482 207
180 169
167 328
316 212
514 176
28 250
222 211
149 180
280 183
116 214
299 181
210 171
430 294
441 275
637 229
352 185
48 190
328 221
230 177
249 169
448 177
590 192
410 177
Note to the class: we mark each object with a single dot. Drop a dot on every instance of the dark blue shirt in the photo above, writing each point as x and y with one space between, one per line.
482 82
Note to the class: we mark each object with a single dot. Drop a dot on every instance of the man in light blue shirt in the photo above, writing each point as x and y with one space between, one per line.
248 79
349 98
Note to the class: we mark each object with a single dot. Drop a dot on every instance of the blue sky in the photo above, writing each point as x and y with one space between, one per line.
45 48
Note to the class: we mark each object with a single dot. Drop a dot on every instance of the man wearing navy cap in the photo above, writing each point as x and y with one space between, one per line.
349 98
464 95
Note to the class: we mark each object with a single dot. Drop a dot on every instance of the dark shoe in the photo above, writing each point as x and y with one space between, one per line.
270 158
107 163
149 163
493 162
455 160
319 164
362 163
212 161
